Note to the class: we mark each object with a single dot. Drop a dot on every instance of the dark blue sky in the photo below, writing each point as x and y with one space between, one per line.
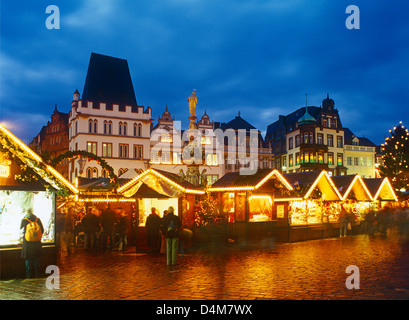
257 57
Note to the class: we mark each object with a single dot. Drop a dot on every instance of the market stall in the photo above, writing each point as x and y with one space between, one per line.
356 199
160 189
314 214
255 206
26 183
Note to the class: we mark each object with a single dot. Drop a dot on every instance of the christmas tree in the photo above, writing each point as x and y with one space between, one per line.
396 157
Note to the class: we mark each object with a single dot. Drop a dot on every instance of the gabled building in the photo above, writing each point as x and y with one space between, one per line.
252 153
308 139
53 139
168 142
107 121
360 155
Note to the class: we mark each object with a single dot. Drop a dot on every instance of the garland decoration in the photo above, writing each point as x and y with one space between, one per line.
90 157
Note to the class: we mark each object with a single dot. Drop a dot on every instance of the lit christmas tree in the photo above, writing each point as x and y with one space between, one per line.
396 157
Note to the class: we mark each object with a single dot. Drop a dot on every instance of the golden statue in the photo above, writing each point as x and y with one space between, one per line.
192 103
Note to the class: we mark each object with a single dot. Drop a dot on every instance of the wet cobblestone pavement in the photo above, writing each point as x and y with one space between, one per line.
313 269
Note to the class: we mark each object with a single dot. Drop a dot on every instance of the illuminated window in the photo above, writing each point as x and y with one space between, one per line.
211 159
107 150
177 158
330 158
340 159
320 157
297 158
290 160
92 147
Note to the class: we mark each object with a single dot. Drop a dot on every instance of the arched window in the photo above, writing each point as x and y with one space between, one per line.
110 127
95 125
89 126
95 173
139 130
125 128
120 128
135 129
104 173
105 127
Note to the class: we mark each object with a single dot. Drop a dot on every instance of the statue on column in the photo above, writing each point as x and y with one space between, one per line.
192 103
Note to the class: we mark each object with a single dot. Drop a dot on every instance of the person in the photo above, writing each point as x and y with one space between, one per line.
122 230
90 224
68 230
153 224
59 227
170 226
31 250
343 222
108 220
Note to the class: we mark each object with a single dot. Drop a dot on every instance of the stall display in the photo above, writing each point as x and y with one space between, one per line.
161 204
13 208
305 212
260 208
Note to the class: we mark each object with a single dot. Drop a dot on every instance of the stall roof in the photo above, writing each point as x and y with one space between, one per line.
306 182
163 182
34 161
233 181
380 189
352 183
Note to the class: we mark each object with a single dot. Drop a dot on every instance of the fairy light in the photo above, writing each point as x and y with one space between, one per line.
162 177
37 158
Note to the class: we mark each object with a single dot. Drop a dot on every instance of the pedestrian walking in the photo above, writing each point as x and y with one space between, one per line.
170 226
153 225
122 229
31 249
68 231
343 222
108 220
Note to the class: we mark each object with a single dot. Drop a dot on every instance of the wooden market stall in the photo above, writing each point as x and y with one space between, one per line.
26 182
161 189
100 193
315 214
356 197
255 206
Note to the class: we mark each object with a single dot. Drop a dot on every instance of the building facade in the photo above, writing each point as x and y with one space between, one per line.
108 122
309 139
53 140
360 154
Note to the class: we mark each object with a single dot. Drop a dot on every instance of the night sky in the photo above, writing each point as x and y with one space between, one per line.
257 57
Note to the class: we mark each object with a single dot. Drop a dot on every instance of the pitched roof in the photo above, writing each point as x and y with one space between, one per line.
163 182
27 156
109 81
362 141
234 180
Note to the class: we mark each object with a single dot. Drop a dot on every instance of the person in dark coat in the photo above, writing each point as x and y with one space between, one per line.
153 224
170 226
90 224
108 220
122 230
31 251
